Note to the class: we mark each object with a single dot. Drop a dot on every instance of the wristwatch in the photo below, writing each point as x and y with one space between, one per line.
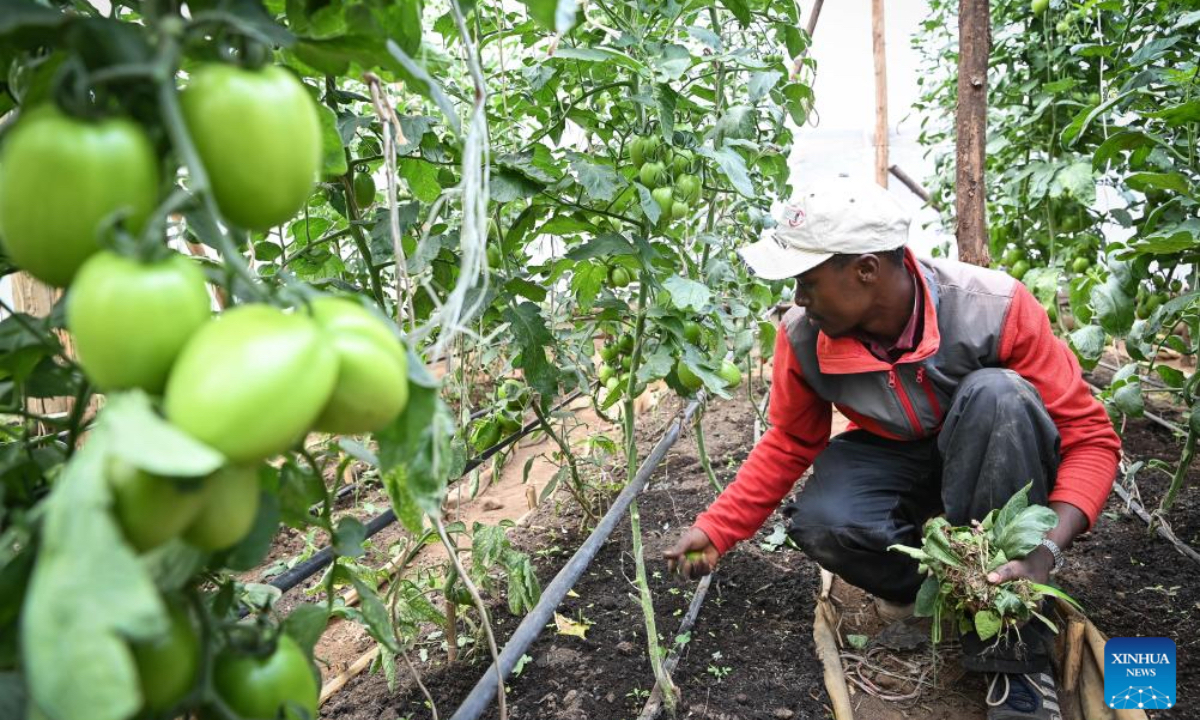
1056 551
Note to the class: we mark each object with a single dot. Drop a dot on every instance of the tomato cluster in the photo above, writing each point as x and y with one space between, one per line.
78 201
613 373
512 398
669 173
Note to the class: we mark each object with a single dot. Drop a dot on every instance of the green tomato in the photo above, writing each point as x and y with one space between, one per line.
445 177
493 256
259 688
1039 6
509 424
730 374
626 362
364 190
662 196
1019 269
637 151
1176 286
1011 256
259 138
619 277
151 509
625 344
653 175
61 179
693 332
679 210
167 667
252 381
683 162
130 320
605 372
687 378
487 434
372 376
231 497
612 384
1063 27
1081 264
1070 223
609 352
687 188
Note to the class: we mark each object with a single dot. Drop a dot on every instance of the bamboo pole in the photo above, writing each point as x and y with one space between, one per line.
974 45
827 650
810 28
881 102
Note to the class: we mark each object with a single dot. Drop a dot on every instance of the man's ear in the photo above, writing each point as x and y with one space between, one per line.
866 268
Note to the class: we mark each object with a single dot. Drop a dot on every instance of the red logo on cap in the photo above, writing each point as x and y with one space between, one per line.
794 217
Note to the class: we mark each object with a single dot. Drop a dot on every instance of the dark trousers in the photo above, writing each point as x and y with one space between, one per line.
868 492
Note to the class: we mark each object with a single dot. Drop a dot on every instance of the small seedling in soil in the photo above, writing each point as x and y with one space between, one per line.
957 561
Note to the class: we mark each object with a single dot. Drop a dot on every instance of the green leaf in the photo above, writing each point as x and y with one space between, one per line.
1181 114
987 624
375 614
600 182
1175 238
333 153
422 179
799 99
1128 399
146 441
532 338
558 16
1088 344
687 294
349 537
927 597
1172 377
761 83
1114 309
1020 536
740 10
418 442
1055 592
1011 509
426 85
649 206
1144 181
87 597
1077 181
733 167
601 55
586 280
305 624
667 99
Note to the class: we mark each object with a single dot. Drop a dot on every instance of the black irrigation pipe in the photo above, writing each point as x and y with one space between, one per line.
531 626
290 579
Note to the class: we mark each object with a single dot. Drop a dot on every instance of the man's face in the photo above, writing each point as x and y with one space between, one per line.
837 298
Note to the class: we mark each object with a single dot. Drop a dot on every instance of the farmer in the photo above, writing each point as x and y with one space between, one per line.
959 395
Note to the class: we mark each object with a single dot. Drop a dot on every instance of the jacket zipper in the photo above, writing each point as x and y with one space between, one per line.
905 402
929 392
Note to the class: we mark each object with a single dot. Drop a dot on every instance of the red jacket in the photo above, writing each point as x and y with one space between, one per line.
959 300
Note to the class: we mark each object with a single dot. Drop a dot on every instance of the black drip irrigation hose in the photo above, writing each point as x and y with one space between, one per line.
290 579
531 626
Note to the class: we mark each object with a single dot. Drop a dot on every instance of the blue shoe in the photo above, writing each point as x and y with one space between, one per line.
1020 696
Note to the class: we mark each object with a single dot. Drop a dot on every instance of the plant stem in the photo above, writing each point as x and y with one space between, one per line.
656 654
1185 462
577 487
698 424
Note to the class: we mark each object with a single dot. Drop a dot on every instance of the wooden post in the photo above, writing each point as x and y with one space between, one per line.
812 26
974 45
881 115
35 298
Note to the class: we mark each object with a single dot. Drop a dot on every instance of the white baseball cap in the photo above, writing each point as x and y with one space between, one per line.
836 216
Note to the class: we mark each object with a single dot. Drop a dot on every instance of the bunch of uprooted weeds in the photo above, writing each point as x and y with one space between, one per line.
957 561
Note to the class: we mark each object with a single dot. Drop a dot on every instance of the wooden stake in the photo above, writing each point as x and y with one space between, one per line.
881 114
974 45
827 651
1072 657
810 28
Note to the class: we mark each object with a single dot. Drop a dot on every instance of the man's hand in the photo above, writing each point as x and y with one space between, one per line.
1035 566
693 555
